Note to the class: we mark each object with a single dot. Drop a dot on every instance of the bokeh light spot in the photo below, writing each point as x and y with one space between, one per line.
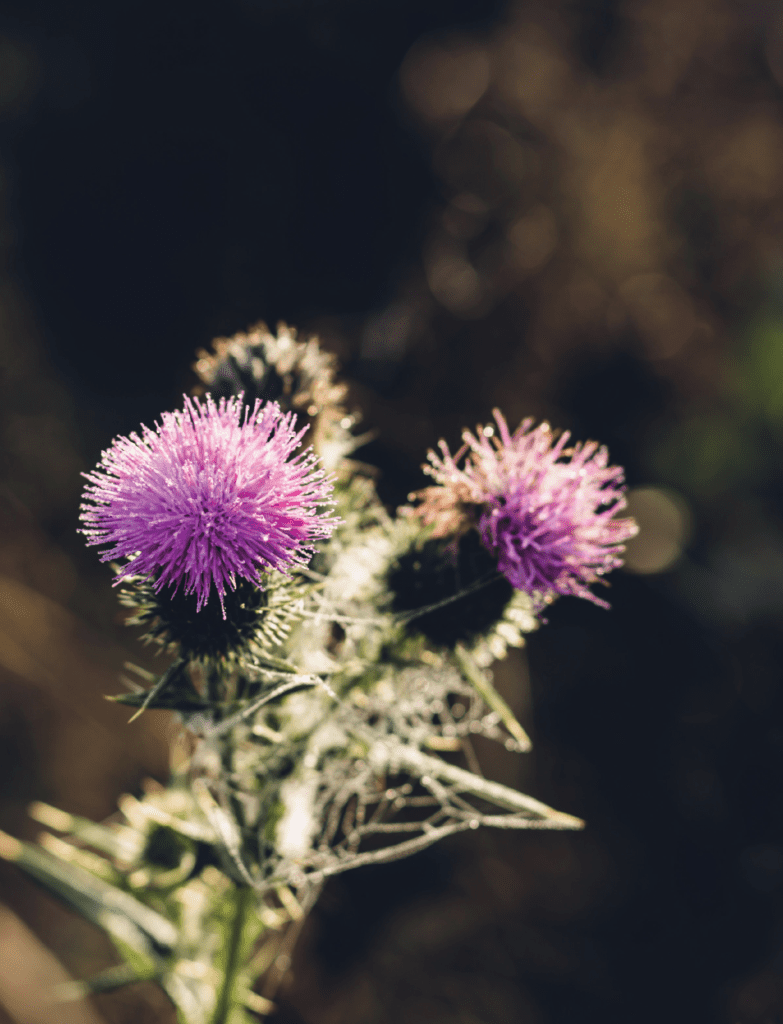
665 523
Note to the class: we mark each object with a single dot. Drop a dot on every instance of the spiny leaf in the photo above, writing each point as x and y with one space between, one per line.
174 691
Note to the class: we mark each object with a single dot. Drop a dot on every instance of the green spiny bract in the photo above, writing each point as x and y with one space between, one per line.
256 621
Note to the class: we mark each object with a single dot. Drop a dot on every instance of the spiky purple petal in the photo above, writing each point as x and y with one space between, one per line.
209 495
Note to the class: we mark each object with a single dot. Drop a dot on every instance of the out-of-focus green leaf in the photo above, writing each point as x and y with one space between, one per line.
118 841
107 981
129 922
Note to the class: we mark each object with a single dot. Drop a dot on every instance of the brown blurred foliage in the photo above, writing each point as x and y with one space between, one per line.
626 206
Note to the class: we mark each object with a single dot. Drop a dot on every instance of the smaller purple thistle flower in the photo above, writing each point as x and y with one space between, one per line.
209 495
544 510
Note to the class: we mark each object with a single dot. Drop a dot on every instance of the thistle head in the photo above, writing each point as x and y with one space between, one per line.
544 509
212 494
298 375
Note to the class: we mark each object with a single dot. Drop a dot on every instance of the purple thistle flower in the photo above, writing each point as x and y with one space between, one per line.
544 510
209 495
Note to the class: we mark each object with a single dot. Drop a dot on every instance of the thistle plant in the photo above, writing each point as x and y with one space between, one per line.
329 662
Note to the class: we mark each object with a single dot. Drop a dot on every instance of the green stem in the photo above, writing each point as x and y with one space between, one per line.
478 679
242 898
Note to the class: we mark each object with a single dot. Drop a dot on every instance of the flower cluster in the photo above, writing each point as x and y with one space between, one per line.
210 495
546 511
326 670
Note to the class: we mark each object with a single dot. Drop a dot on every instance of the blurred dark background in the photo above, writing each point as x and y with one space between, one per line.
570 209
